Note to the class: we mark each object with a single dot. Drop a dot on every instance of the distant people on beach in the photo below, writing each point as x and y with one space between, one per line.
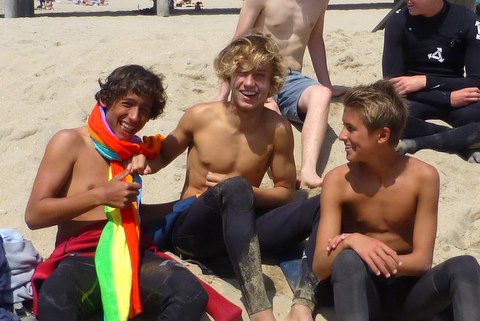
304 101
225 215
431 55
375 244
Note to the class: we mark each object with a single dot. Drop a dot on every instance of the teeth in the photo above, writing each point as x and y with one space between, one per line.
127 128
248 93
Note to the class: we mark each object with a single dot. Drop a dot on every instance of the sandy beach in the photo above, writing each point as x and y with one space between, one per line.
50 63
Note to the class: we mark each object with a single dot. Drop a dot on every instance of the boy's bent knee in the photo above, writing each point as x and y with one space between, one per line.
347 264
237 193
465 267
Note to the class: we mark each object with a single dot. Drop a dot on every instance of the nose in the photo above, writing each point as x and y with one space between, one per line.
343 134
249 79
134 113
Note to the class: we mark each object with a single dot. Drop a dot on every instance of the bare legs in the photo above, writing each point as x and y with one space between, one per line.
314 103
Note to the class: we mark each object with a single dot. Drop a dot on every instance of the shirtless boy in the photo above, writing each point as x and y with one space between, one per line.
379 219
296 25
230 147
72 190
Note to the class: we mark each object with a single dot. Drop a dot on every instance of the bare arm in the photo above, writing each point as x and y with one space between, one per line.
249 13
282 166
331 218
174 144
48 204
425 228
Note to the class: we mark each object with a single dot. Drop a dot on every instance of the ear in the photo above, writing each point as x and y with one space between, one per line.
383 135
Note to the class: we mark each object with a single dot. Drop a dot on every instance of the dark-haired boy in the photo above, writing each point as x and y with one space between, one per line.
82 181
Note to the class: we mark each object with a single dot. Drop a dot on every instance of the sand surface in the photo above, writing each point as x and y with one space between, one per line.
49 65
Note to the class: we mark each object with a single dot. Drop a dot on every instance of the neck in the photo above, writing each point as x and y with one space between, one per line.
244 120
381 164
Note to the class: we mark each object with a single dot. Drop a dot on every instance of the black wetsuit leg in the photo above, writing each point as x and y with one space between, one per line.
167 291
71 292
286 226
455 283
222 222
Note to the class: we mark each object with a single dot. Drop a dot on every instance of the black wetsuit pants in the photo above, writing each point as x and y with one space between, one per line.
223 222
168 291
464 133
451 287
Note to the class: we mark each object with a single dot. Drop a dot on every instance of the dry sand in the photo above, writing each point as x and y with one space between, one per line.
49 65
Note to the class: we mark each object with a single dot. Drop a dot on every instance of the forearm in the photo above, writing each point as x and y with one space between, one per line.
272 197
53 211
431 97
451 83
414 264
323 261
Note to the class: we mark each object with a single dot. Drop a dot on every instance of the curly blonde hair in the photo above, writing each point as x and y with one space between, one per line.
248 53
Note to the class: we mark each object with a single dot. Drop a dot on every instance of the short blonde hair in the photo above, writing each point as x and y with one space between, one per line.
248 53
379 106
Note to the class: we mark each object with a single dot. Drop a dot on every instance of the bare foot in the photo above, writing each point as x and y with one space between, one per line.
299 312
311 180
265 315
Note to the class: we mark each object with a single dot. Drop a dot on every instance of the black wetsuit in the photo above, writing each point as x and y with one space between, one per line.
441 47
224 223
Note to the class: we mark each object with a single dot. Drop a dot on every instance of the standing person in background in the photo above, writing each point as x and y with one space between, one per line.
295 26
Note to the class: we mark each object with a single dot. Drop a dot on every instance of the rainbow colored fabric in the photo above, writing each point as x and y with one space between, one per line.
117 253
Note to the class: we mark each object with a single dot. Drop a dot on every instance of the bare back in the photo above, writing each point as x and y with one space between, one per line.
290 23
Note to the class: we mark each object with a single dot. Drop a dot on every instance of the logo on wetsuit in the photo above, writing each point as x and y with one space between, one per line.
437 55
477 24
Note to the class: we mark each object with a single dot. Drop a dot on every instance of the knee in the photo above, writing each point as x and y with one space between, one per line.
348 264
52 301
188 290
464 267
237 192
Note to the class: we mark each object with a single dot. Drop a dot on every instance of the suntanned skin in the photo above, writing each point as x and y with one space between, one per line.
235 138
71 186
296 25
380 204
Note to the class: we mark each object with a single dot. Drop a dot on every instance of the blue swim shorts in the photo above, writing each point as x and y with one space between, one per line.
288 96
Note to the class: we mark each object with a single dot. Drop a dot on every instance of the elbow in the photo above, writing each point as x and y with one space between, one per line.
31 220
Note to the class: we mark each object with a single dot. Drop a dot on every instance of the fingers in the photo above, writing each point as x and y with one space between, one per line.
383 260
122 175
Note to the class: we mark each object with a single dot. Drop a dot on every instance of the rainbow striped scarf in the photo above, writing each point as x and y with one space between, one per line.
117 254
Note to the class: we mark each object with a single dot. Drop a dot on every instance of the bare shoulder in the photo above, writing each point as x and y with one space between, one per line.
337 176
420 170
66 139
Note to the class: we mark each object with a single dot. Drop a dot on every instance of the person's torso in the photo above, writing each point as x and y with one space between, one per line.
220 148
435 45
290 23
89 171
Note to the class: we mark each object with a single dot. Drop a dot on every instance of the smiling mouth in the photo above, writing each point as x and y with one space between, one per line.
248 93
127 128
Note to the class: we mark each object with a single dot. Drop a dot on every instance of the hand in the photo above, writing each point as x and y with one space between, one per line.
215 178
334 241
119 194
380 257
464 97
409 84
138 164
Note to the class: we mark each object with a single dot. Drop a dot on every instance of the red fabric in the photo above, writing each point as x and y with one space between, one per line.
84 244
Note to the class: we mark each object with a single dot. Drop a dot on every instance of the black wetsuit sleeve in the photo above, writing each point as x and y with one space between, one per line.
432 97
471 41
393 60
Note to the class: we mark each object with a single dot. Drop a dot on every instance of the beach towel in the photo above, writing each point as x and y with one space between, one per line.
84 244
117 254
